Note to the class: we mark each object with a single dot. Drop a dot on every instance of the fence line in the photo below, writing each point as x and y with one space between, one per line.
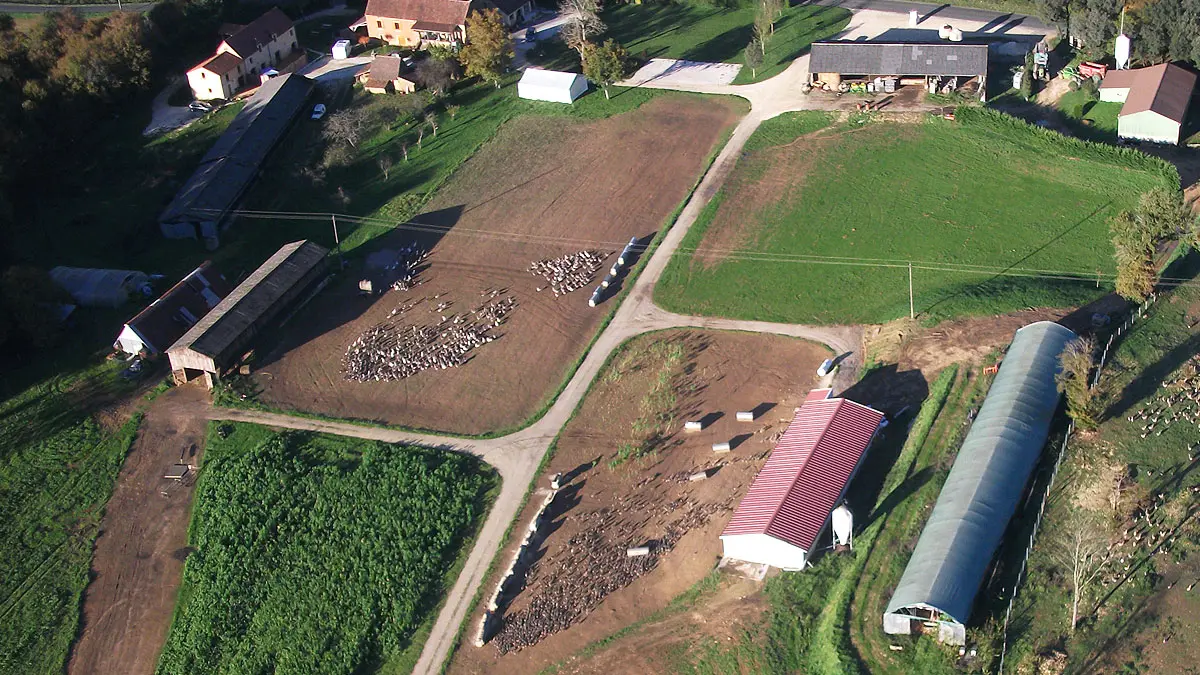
1120 330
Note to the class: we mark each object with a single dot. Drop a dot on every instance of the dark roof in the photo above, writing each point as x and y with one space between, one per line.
241 309
792 496
221 63
232 162
435 27
880 58
451 12
255 35
507 7
164 321
1165 89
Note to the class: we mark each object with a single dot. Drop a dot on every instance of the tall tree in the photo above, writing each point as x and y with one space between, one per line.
581 23
1094 23
437 74
754 56
1073 380
763 25
1161 215
107 58
1056 12
489 49
347 126
605 64
1081 550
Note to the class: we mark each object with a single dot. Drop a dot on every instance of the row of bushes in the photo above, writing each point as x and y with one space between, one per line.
1045 140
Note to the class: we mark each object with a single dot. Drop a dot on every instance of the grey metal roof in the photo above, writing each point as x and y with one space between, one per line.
987 480
257 295
881 58
232 162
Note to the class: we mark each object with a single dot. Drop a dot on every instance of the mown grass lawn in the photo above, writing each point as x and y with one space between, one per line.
1092 119
318 554
698 32
830 243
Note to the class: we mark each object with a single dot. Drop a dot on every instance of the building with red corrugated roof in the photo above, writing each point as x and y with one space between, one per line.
787 506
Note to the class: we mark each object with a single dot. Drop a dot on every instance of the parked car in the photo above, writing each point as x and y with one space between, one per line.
318 111
200 106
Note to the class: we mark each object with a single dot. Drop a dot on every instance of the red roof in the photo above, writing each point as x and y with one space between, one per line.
792 496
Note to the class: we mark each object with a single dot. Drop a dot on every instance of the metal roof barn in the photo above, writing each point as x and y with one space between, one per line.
218 339
879 58
551 85
788 505
983 489
232 163
92 287
166 319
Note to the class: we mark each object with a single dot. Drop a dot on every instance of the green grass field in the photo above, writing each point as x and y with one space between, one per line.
830 242
1091 118
318 554
58 466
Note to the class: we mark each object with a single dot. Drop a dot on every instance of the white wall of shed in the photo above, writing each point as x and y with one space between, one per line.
764 549
553 94
130 342
1148 126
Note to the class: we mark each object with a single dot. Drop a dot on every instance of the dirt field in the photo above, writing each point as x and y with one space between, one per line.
648 390
543 188
139 555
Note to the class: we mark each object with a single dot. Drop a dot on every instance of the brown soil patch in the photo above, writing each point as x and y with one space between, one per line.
547 187
138 561
719 373
967 340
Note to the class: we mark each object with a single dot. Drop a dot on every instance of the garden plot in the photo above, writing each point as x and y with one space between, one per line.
544 188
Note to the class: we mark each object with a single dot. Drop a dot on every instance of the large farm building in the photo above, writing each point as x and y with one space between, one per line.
983 490
787 507
216 342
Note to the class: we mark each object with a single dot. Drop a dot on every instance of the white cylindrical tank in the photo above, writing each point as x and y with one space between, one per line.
843 525
1124 44
956 35
914 18
944 31
721 447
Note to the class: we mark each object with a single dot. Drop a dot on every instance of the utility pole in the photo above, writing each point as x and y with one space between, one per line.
912 314
337 243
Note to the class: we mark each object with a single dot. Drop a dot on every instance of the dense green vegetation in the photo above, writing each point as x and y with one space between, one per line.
1090 117
316 554
987 191
57 470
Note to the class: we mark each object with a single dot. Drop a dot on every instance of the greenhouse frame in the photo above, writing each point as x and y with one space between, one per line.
983 490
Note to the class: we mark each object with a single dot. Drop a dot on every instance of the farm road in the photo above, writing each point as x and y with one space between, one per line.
516 457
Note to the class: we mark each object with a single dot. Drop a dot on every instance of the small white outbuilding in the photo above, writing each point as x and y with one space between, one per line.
551 85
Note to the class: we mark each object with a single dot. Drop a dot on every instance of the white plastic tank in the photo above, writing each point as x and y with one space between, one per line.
843 525
341 49
1124 45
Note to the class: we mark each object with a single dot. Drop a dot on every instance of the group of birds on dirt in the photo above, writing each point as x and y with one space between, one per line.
569 272
393 350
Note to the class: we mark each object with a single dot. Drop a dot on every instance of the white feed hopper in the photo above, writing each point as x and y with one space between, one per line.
843 526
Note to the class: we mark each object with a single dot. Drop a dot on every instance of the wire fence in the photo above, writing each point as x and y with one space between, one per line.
1113 336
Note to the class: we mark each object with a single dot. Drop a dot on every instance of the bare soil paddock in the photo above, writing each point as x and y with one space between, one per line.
543 188
708 375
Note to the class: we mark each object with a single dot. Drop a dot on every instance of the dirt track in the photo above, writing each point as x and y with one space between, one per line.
138 562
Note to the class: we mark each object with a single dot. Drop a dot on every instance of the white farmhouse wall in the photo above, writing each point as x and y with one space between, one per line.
1148 126
207 85
763 549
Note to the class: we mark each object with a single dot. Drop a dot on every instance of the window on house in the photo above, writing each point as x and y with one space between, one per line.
202 75
397 25
379 24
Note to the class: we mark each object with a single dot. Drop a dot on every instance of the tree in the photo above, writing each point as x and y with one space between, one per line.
1081 549
26 295
431 119
1056 12
605 64
437 74
581 23
452 110
1161 215
490 49
385 164
763 25
107 58
1073 380
346 126
1094 24
754 56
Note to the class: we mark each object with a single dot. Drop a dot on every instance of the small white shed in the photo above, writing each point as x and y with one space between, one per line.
551 85
341 49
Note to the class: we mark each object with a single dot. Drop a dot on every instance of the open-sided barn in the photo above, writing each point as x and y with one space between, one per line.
787 507
835 61
982 492
214 344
